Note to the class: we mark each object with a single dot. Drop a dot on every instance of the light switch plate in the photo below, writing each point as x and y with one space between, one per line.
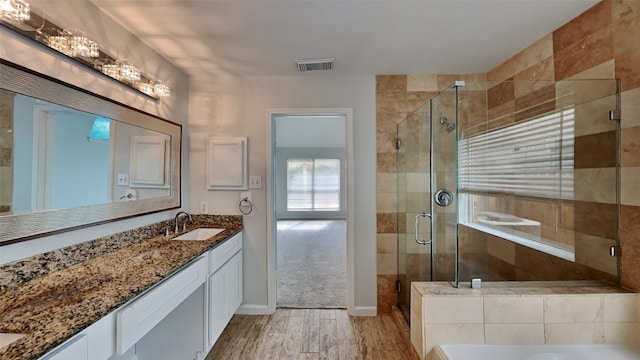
255 182
123 179
204 207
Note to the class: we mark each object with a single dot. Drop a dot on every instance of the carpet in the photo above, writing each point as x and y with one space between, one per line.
311 264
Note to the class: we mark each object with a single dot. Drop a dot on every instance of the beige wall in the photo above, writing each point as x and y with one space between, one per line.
601 43
238 106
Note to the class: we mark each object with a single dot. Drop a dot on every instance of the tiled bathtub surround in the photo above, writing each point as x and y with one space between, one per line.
522 316
21 271
55 306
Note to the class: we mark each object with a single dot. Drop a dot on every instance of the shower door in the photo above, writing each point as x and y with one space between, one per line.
426 163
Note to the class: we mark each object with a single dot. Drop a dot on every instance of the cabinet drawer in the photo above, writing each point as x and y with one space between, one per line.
139 317
224 252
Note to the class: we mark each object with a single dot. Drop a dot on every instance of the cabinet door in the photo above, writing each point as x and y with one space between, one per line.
225 295
217 315
233 285
75 349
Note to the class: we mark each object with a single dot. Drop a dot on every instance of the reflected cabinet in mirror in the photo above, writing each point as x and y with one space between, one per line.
69 158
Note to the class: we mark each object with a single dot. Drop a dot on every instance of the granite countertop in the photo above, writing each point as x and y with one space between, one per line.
52 308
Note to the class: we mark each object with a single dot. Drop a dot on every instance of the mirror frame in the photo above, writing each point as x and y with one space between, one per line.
22 227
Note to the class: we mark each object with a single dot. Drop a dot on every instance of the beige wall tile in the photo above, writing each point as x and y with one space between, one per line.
514 334
630 146
619 333
424 82
501 249
572 309
513 310
436 334
534 54
387 202
593 252
387 243
502 72
592 117
630 186
630 102
606 70
453 310
418 182
386 182
621 308
577 333
387 264
597 185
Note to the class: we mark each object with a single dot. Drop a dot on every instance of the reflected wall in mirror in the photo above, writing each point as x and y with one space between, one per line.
69 158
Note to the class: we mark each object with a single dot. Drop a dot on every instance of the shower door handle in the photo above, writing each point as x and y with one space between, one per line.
416 220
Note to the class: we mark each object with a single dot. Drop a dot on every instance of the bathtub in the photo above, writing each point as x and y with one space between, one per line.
536 352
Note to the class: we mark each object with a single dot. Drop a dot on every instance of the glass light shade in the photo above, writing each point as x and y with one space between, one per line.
161 89
59 43
82 46
14 10
146 88
129 72
111 70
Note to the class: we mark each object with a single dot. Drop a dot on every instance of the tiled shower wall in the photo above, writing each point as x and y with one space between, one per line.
603 42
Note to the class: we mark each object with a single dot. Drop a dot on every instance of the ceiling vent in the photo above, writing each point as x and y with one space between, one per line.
314 64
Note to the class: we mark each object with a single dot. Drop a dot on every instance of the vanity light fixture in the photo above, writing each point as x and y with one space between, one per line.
161 89
15 10
128 72
81 45
18 16
146 88
57 40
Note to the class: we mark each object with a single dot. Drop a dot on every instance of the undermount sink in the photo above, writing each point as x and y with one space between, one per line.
6 338
199 234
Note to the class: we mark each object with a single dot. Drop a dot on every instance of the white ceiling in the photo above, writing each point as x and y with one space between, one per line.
366 37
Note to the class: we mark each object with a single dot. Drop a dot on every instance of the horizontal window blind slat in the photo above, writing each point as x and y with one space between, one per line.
534 157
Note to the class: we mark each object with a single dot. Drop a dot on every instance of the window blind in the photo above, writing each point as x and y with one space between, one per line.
313 185
532 158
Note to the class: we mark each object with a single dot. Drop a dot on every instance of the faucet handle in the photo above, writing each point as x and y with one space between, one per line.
184 226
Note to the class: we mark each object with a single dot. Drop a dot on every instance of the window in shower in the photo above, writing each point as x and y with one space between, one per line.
513 178
313 184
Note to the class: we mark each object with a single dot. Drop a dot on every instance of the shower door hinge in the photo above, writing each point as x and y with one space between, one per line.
615 115
398 286
397 144
615 251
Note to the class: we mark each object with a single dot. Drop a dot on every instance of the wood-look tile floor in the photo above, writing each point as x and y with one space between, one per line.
311 334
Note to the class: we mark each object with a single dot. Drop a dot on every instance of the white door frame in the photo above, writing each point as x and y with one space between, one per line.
271 205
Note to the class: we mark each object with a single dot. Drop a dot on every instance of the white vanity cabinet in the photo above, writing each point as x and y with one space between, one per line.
75 349
225 285
196 302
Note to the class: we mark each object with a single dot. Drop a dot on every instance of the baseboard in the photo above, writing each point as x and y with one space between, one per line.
364 311
253 309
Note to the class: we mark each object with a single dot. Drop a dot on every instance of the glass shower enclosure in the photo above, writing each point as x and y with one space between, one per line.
510 181
427 193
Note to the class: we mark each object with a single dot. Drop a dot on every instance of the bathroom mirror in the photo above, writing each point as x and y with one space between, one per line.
70 158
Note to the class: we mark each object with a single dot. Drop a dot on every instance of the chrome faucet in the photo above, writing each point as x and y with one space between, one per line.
184 224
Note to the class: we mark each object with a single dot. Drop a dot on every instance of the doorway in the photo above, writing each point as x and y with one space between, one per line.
309 220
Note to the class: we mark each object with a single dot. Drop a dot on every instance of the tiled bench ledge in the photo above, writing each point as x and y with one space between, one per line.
522 313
